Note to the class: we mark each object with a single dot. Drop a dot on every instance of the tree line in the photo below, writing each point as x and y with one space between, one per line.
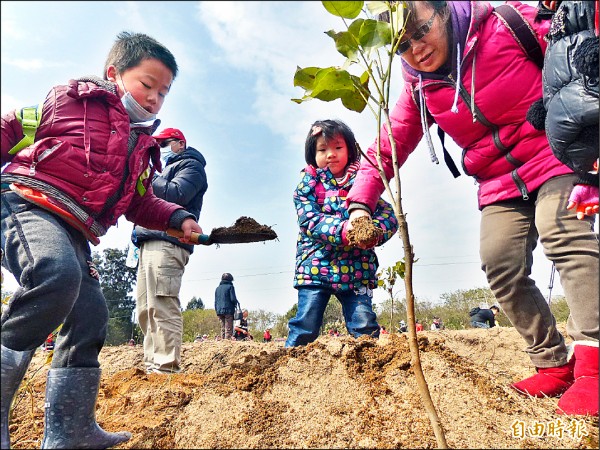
118 281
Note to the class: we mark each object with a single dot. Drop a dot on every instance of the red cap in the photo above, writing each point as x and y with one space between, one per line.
169 133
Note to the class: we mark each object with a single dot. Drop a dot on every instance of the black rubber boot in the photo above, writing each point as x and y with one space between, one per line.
70 421
13 366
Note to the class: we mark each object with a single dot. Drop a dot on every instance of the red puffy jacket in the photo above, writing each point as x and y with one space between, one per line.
81 148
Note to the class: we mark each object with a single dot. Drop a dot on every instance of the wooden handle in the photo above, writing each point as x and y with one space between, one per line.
196 238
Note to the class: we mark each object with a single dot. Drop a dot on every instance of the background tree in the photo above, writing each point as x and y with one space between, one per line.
117 281
195 303
198 322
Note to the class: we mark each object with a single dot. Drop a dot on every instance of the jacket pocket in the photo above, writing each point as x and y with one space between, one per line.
169 282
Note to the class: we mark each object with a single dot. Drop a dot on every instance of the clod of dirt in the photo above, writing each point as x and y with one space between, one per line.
245 229
363 232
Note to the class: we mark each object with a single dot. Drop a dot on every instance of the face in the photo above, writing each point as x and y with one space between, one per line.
175 145
430 52
332 154
148 82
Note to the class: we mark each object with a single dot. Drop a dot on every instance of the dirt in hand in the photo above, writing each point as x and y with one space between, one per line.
245 229
363 231
337 392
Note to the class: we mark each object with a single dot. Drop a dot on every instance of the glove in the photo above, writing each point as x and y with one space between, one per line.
585 199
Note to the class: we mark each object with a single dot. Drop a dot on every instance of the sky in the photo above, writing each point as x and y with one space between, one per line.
232 100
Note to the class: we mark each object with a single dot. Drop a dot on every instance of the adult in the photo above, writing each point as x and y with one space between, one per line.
225 303
484 317
464 70
240 328
162 258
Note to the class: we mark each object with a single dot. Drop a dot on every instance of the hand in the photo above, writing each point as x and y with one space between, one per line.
585 199
355 214
187 227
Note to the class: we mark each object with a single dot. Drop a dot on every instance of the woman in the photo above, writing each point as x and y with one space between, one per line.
523 189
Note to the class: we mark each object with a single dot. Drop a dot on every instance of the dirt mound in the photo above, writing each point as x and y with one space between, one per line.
334 393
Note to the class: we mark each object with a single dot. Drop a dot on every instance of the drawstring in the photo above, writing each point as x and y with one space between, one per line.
473 88
424 124
454 108
86 136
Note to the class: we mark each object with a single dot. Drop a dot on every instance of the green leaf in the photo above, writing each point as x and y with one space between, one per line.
371 34
376 8
347 10
305 78
329 84
345 43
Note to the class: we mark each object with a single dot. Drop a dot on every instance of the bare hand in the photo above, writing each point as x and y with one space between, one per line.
188 226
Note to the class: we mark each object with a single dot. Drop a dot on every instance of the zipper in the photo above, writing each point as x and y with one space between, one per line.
42 156
520 185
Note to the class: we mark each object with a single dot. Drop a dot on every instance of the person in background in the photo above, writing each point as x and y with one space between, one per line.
162 258
326 263
483 317
436 324
403 328
418 325
464 70
383 330
89 161
240 328
225 302
267 335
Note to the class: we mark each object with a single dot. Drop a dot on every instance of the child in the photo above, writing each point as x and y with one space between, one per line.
92 161
326 264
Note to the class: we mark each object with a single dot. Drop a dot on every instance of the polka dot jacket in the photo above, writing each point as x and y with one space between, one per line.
322 259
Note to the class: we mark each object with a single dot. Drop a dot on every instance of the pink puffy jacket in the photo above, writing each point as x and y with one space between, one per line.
81 149
501 150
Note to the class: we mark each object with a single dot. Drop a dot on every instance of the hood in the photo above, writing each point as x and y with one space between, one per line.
189 152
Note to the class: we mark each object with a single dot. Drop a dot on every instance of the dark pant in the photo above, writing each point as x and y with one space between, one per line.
49 259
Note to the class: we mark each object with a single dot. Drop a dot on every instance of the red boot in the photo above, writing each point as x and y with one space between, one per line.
582 397
547 382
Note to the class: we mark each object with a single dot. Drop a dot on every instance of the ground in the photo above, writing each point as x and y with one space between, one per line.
334 393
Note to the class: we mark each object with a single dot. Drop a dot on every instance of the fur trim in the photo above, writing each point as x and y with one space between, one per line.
536 115
585 58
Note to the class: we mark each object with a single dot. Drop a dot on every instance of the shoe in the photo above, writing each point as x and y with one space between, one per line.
581 398
547 382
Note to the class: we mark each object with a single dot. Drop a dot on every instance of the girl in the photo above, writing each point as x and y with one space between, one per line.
326 264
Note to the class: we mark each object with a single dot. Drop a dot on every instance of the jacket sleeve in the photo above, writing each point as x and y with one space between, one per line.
385 219
150 211
188 182
406 132
12 133
233 297
313 222
572 106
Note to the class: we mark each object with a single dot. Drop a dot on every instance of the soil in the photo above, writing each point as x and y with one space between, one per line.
363 231
245 229
337 392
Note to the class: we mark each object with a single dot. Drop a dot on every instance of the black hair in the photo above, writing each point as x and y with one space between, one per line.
130 49
227 277
329 129
495 307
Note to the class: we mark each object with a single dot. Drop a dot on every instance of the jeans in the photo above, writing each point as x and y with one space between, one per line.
357 309
49 259
509 234
479 325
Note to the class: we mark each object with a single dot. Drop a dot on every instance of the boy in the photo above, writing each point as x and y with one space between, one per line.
90 159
